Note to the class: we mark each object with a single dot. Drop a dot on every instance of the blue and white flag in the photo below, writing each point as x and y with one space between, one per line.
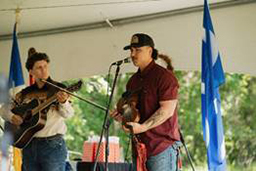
212 77
16 79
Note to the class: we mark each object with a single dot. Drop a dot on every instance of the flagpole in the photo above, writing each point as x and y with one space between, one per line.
17 15
17 20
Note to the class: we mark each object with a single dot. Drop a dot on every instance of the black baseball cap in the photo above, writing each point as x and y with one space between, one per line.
140 40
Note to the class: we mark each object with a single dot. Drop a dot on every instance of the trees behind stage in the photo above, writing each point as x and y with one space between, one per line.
238 97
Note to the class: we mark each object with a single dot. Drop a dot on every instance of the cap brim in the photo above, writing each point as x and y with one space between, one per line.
127 47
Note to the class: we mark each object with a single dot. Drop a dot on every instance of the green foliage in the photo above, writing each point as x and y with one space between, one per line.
238 97
190 114
240 116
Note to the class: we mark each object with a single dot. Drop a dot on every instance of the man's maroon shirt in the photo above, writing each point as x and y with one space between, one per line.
156 84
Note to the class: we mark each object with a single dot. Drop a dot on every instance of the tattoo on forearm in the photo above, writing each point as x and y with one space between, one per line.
156 119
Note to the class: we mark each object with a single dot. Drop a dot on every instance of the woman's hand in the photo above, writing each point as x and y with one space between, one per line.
62 96
16 120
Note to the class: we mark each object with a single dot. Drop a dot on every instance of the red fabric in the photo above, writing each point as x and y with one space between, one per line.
140 151
142 157
158 84
31 80
179 163
179 160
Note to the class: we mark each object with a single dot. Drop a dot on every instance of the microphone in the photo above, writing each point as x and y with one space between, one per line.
125 60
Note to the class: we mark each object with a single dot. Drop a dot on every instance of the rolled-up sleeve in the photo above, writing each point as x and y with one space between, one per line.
5 109
5 112
168 87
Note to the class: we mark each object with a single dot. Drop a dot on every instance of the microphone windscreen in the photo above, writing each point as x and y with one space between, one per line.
127 60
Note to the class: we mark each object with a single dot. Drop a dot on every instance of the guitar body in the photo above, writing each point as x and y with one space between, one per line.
23 134
34 115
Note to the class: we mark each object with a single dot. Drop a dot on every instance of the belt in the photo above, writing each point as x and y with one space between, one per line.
48 138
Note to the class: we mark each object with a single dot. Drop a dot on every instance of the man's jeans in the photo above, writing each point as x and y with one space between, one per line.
45 155
164 161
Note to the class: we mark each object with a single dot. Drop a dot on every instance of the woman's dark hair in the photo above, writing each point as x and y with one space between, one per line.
34 56
167 60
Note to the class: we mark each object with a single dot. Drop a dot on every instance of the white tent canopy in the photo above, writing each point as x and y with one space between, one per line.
86 46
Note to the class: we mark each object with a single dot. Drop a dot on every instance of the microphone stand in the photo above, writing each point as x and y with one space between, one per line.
106 124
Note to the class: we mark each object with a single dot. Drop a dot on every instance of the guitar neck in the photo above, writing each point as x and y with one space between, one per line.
44 104
53 98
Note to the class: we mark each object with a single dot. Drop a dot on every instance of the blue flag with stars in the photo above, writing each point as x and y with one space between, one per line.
212 77
15 74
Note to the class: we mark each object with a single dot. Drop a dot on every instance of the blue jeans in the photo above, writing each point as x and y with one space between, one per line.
45 155
164 161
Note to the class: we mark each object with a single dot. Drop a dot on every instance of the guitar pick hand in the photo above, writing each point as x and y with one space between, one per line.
62 96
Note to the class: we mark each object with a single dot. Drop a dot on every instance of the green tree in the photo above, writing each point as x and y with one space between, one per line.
238 96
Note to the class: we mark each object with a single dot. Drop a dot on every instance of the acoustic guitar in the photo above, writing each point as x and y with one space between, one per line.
34 116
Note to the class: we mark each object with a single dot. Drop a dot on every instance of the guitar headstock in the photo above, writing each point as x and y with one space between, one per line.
75 86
